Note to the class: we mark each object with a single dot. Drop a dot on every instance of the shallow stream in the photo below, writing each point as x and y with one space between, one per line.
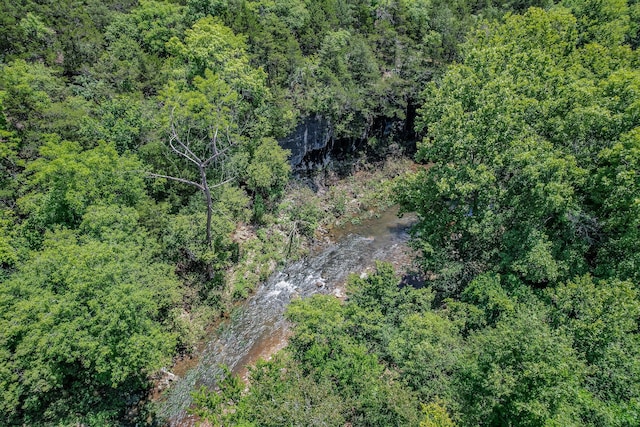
257 328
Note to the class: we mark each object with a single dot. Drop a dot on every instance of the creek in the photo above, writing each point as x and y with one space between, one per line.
258 328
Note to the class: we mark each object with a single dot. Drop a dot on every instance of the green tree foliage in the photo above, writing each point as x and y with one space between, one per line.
604 22
211 45
215 406
327 348
82 322
268 170
521 373
436 416
282 394
124 121
528 210
616 191
136 46
602 319
515 134
532 142
567 356
10 164
67 33
156 23
28 92
65 181
219 117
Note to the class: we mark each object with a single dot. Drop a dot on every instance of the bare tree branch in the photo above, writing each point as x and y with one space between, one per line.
215 142
175 178
182 149
182 153
187 153
221 183
208 161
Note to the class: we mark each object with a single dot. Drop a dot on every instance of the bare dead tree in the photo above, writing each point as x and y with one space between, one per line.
212 155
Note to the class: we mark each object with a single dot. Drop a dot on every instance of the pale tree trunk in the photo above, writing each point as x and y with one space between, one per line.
207 196
216 156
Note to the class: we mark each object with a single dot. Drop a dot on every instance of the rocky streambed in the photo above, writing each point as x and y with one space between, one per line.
258 328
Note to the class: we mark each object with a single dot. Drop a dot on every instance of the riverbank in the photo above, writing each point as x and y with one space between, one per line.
307 218
387 236
354 225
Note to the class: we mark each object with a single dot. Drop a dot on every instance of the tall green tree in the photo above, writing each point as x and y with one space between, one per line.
218 115
514 134
65 181
83 322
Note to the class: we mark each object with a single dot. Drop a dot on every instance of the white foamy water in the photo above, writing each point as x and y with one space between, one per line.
261 318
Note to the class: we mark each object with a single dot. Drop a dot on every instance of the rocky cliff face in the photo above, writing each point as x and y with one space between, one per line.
313 143
310 143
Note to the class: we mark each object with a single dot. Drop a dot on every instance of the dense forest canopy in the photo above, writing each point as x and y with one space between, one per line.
138 137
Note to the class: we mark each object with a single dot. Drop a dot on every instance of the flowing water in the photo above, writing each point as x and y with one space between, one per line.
258 327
